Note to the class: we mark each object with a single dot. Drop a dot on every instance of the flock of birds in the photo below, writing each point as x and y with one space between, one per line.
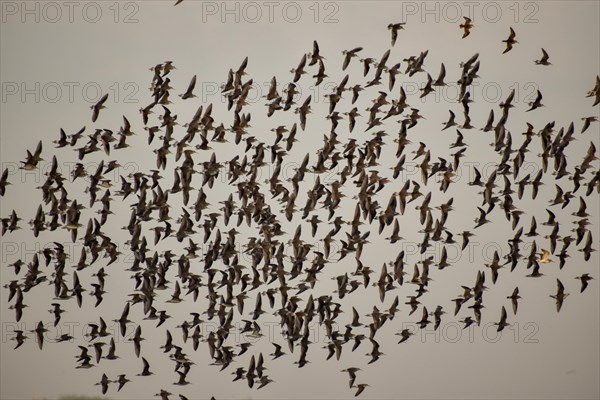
217 284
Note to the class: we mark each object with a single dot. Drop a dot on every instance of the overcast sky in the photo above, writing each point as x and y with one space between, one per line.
59 58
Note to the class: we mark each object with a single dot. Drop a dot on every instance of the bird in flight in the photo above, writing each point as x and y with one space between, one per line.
544 59
189 91
537 103
29 164
360 388
4 182
544 257
584 278
510 41
595 92
560 295
466 27
98 106
394 28
348 55
514 298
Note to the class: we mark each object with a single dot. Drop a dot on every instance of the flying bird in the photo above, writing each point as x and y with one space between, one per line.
466 27
360 388
544 59
510 41
537 102
514 298
98 106
560 295
502 323
189 91
348 55
584 278
104 382
394 28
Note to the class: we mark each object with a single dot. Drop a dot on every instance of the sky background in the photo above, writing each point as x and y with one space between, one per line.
58 58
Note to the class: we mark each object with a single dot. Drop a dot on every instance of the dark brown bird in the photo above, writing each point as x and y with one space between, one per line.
544 59
584 278
4 182
394 28
190 89
348 55
502 323
104 382
514 298
560 295
510 41
98 106
466 27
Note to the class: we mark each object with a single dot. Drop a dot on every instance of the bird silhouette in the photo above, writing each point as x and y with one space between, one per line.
466 27
510 41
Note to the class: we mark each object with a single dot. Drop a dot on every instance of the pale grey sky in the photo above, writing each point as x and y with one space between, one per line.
57 58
